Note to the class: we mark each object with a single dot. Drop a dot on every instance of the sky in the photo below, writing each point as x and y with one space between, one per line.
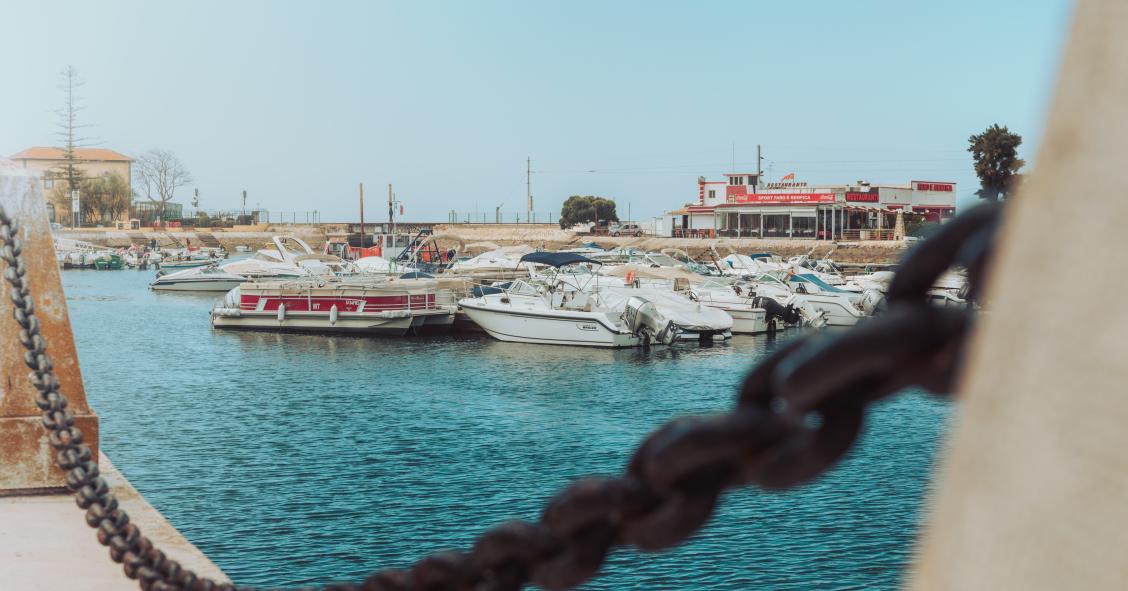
298 102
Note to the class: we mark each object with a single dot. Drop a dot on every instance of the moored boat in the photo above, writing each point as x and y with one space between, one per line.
574 311
393 307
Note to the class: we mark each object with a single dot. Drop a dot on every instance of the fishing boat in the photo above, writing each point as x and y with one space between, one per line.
392 307
574 312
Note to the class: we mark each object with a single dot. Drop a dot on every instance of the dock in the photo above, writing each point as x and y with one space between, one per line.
46 545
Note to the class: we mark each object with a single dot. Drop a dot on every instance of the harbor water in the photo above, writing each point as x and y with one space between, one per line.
301 459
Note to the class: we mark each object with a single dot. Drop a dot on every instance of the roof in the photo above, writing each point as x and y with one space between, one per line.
556 259
90 154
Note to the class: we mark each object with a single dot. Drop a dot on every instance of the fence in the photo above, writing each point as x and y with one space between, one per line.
500 217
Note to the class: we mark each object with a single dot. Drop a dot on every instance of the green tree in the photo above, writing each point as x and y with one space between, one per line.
103 198
579 209
996 161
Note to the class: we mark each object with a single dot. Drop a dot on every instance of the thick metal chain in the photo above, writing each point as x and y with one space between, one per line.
798 412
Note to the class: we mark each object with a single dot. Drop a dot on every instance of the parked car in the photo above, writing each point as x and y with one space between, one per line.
626 230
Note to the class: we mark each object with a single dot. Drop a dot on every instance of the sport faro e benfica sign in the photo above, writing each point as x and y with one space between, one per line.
740 194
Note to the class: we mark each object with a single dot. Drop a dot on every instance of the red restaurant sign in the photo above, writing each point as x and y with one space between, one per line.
940 187
870 197
783 198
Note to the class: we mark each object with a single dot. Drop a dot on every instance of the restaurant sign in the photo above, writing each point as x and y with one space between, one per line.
938 187
739 196
870 197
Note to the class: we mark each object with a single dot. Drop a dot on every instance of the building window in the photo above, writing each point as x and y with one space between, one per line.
48 180
712 194
736 180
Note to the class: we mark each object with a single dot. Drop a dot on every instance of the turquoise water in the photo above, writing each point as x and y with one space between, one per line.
295 459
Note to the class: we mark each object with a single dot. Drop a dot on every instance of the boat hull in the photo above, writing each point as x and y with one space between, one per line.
837 312
518 326
753 321
223 286
181 265
318 322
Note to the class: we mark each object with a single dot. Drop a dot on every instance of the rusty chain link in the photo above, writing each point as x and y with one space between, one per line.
798 412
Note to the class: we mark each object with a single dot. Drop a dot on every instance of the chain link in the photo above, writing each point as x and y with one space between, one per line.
797 413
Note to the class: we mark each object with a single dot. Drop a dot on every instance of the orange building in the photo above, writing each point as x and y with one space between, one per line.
93 162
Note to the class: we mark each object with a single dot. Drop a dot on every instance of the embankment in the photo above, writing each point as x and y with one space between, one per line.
544 236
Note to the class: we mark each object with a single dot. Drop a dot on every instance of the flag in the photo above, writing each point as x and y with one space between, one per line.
788 177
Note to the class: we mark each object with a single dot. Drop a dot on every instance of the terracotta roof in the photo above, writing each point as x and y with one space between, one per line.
94 154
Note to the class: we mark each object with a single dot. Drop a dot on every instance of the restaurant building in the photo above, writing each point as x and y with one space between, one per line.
741 207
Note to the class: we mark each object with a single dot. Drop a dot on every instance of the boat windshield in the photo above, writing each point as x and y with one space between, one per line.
663 260
521 288
824 286
768 278
709 284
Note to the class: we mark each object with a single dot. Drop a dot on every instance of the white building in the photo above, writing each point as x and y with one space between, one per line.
740 206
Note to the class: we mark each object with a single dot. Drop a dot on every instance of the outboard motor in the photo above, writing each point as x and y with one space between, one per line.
811 316
776 313
873 302
641 317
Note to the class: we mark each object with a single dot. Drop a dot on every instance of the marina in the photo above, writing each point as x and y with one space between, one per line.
371 296
355 424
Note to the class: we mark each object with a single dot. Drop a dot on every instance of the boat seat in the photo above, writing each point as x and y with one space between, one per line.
579 301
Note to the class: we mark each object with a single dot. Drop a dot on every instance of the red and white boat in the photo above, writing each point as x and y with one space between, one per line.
390 307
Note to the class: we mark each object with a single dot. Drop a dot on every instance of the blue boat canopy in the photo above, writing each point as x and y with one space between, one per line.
556 259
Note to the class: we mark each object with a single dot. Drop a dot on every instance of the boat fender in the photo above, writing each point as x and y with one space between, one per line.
630 277
333 315
281 312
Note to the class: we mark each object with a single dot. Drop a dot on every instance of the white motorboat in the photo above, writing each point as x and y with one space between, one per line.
377 265
576 313
278 263
839 307
747 311
499 260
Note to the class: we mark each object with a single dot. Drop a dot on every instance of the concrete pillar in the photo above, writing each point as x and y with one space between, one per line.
27 462
1031 494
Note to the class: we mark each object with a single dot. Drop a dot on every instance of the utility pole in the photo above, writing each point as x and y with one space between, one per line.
391 211
528 187
759 167
244 202
362 215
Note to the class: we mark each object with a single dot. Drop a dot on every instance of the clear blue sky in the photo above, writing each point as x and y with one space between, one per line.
297 102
